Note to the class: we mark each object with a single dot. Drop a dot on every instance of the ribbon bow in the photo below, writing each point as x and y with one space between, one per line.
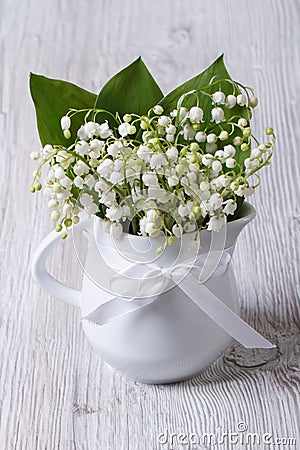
139 285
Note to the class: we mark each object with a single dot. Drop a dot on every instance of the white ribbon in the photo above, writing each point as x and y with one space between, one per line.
141 284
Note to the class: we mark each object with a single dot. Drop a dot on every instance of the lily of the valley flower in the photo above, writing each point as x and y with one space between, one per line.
216 222
217 115
65 123
196 114
219 98
182 171
230 101
241 100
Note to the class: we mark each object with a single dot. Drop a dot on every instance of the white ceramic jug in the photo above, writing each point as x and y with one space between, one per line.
168 340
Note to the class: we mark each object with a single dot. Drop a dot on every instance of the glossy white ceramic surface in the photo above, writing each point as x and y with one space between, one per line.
169 340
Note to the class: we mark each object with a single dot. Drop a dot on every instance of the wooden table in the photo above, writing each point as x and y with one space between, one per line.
55 393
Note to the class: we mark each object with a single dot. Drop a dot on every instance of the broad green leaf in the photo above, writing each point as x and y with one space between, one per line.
216 70
52 99
133 90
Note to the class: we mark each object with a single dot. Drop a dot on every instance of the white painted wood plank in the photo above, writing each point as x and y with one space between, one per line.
54 392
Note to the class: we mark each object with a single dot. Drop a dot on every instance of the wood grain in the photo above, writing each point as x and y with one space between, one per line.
54 392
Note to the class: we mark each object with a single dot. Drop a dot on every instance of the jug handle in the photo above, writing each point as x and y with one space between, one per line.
42 276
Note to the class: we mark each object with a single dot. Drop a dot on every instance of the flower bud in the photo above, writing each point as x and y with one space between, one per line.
67 134
247 132
38 186
244 147
52 204
158 110
223 136
237 141
200 136
196 126
242 122
269 131
55 216
170 240
253 102
144 125
194 147
262 148
211 138
68 223
131 129
127 118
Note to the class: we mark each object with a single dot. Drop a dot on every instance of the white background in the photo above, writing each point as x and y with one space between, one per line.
54 392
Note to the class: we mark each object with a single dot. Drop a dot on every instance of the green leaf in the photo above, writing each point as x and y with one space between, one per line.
217 70
133 90
52 99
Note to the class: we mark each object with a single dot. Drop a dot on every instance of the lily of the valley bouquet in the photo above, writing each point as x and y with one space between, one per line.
144 163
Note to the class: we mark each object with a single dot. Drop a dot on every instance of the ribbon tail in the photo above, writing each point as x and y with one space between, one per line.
115 308
222 315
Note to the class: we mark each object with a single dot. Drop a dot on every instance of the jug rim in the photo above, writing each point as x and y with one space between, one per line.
246 215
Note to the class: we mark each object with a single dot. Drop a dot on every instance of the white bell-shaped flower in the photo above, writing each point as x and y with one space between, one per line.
164 121
157 160
216 222
114 213
217 115
230 207
241 100
230 101
219 98
200 136
65 123
196 114
188 132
